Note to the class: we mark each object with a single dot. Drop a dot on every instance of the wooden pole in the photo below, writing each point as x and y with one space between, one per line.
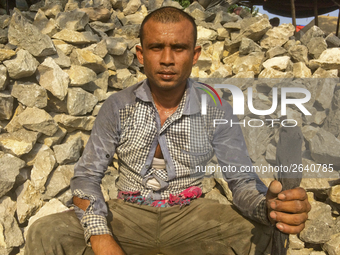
7 7
316 15
292 3
337 25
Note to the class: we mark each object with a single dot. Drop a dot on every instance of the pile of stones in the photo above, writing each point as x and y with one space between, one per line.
60 60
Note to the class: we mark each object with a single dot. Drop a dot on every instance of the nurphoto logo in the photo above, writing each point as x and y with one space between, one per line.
238 103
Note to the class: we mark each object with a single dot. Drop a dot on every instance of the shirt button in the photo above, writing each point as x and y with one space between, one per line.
107 155
85 225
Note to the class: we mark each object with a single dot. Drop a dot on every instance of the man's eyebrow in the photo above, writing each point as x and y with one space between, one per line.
180 45
156 45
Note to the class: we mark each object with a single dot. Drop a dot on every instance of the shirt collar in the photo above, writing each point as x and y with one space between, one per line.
192 104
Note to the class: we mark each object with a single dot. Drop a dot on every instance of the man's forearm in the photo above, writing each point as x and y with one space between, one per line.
81 203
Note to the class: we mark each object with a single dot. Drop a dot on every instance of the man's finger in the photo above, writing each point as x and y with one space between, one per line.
293 194
295 206
274 189
290 229
289 219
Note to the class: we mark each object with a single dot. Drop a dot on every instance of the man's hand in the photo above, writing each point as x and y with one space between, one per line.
105 245
287 209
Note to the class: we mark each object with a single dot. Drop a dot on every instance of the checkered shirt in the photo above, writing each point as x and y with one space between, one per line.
128 124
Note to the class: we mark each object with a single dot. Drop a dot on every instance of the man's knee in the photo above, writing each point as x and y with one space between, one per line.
53 232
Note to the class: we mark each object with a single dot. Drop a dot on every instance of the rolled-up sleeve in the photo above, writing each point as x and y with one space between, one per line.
231 150
90 169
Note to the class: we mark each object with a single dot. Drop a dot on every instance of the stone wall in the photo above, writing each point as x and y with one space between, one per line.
60 60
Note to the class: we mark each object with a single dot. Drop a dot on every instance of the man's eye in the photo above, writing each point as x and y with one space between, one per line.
179 49
156 48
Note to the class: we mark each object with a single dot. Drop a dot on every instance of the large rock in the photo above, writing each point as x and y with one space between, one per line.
46 26
325 148
28 201
32 155
132 19
19 142
300 70
329 59
204 34
6 106
316 232
223 17
102 27
63 46
43 166
23 34
55 139
323 93
80 75
61 59
251 62
97 13
53 78
332 247
128 31
75 37
99 49
334 194
36 119
73 20
59 181
332 122
132 7
256 30
332 41
7 206
277 63
123 79
30 94
311 33
125 60
3 77
276 51
86 58
248 46
53 206
73 122
23 65
277 36
80 102
6 54
9 170
68 152
116 46
11 233
316 46
299 53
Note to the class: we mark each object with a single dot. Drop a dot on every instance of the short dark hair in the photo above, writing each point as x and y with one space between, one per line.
168 14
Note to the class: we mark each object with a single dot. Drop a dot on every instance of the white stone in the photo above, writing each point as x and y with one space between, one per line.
53 78
53 206
277 63
43 165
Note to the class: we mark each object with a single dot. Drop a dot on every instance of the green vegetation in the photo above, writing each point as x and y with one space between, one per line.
183 3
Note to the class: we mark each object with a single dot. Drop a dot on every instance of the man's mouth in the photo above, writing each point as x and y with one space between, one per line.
166 75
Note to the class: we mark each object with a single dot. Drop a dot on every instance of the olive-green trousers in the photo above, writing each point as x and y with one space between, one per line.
203 227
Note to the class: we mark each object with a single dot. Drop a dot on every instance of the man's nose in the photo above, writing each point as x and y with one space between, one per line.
167 57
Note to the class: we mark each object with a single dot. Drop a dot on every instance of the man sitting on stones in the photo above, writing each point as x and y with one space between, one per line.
159 134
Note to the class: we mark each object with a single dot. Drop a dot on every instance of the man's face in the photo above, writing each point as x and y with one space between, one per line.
168 53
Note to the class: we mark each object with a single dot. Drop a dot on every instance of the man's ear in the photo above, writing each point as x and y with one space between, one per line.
197 53
139 53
